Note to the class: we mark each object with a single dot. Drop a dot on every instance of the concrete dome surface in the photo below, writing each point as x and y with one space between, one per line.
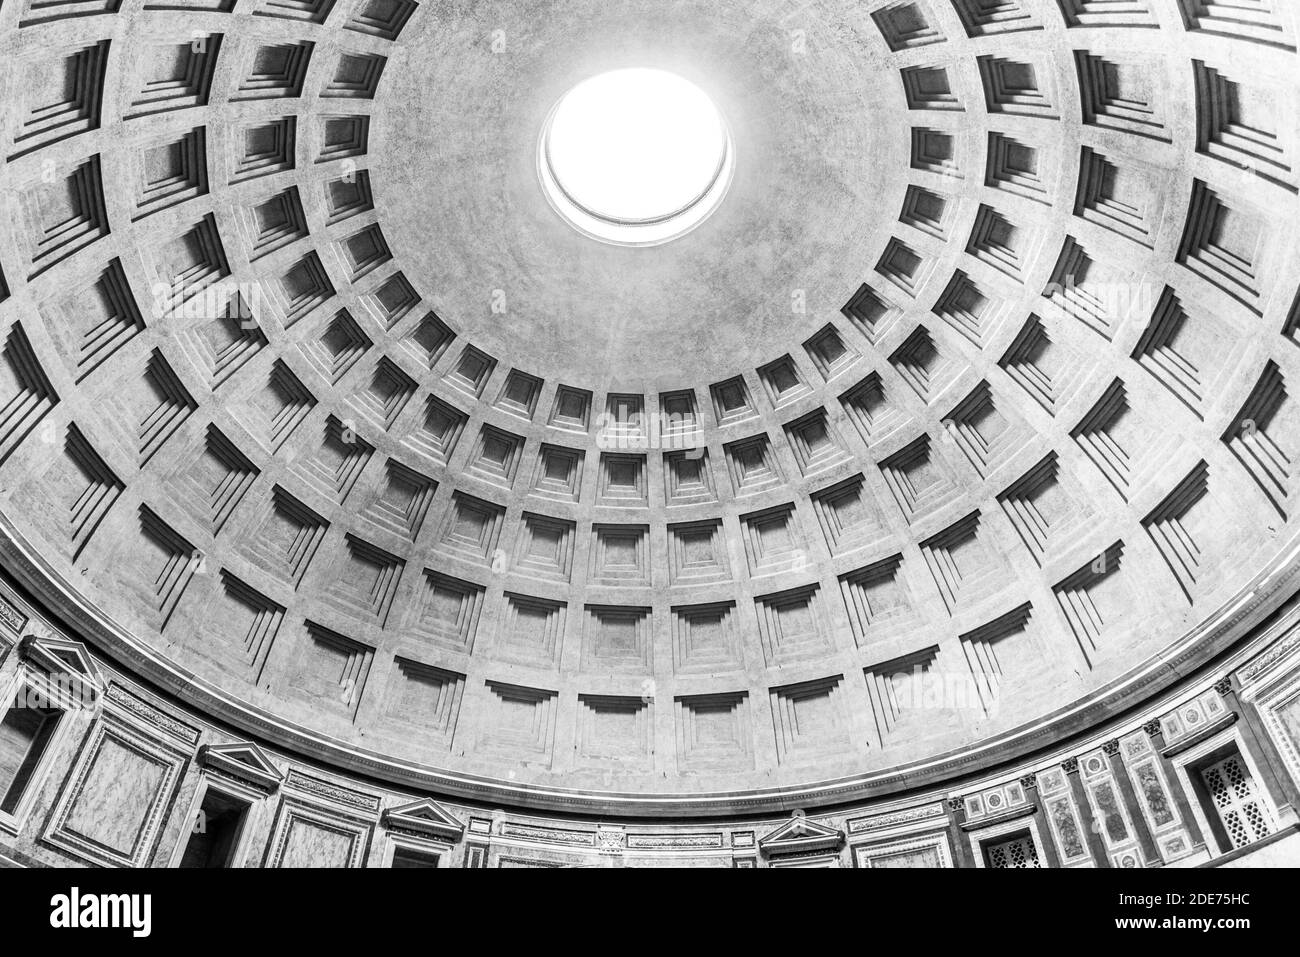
959 434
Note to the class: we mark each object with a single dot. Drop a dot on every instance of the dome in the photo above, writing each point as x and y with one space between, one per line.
834 405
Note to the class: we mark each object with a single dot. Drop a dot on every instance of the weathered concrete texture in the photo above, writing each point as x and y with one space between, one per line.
822 149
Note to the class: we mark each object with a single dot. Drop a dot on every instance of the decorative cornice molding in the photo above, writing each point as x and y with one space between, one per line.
143 710
244 762
425 818
925 812
662 841
547 835
1023 810
12 617
331 792
68 665
1228 719
799 835
1275 652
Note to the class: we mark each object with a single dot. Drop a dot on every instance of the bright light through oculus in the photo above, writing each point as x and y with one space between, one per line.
636 157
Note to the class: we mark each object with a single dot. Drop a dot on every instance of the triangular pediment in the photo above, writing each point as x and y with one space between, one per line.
244 761
798 835
426 817
66 662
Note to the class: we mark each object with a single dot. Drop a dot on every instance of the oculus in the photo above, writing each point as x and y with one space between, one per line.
635 157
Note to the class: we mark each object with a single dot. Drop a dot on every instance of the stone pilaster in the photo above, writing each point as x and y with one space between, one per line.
963 856
1030 784
1146 840
1091 829
1176 789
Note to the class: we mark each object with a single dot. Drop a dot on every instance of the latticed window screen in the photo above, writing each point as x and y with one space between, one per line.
1015 852
1245 814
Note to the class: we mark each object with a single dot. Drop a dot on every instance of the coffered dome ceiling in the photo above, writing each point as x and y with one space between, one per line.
968 417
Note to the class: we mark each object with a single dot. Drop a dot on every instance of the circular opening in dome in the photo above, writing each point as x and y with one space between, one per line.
635 157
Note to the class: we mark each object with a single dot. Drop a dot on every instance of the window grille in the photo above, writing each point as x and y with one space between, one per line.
1241 806
1017 852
